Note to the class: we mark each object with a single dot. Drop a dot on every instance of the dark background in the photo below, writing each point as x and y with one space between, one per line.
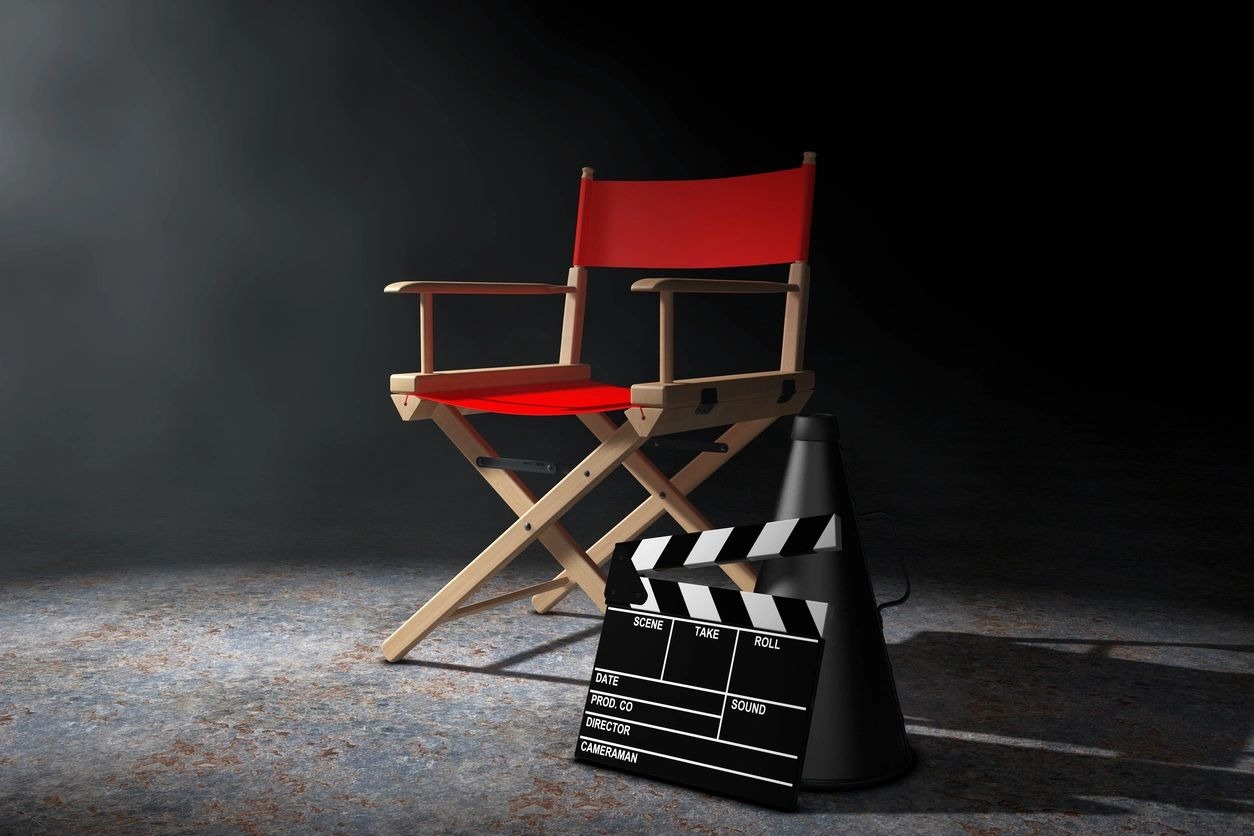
200 204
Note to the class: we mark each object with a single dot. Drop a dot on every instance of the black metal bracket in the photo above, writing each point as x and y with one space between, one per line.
786 390
524 465
691 445
709 397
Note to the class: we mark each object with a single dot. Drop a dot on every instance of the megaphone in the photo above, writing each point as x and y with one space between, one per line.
858 734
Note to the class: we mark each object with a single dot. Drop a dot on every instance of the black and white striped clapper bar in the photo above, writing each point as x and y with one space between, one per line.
705 686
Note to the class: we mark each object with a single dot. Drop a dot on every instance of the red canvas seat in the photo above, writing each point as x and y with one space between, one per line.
576 397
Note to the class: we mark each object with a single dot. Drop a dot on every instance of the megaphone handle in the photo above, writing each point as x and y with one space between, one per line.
905 571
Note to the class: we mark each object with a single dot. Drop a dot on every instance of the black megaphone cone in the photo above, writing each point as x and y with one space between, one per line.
857 735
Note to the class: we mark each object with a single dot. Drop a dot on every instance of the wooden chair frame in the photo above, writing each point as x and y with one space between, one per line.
745 403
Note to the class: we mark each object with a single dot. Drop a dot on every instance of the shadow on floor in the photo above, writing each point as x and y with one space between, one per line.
503 667
1030 724
963 776
1066 725
1078 692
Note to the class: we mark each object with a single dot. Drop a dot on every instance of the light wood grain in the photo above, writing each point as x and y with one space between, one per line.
412 407
520 499
635 524
792 353
456 380
426 332
652 421
417 408
665 285
544 513
666 337
479 288
687 391
674 502
572 316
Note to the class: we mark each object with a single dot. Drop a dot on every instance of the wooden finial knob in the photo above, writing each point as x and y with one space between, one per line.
809 158
587 173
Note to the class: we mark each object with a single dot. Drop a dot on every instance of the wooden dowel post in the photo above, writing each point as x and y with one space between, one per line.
572 316
426 331
666 337
792 354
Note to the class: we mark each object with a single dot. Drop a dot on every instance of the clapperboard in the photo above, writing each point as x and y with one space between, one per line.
703 686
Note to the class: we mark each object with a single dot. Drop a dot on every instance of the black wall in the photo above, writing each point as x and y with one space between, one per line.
200 204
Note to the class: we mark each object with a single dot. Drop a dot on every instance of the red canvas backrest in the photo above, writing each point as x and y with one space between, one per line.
727 222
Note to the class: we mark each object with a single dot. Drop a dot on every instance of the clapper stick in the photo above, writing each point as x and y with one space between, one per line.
706 686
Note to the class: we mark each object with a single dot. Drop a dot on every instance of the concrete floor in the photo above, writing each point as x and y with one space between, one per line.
1078 657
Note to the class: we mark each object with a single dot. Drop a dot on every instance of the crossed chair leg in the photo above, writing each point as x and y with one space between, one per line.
539 519
666 496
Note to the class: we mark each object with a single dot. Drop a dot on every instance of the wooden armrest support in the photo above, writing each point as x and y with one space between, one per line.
666 290
427 291
709 286
479 288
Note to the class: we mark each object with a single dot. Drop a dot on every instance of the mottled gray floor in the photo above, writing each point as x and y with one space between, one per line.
1077 658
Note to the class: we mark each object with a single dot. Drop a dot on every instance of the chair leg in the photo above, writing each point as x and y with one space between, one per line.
704 465
521 499
681 509
526 529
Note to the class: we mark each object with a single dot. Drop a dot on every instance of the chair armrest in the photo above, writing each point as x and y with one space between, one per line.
666 290
427 291
478 288
417 383
709 286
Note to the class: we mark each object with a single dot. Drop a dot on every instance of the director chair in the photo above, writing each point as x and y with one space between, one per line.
682 224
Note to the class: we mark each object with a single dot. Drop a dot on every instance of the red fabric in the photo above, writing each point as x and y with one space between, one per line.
571 398
729 222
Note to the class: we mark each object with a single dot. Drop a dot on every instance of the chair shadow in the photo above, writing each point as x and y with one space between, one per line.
1020 724
501 667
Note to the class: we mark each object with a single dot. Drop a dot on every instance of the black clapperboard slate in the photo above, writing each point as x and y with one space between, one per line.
708 687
